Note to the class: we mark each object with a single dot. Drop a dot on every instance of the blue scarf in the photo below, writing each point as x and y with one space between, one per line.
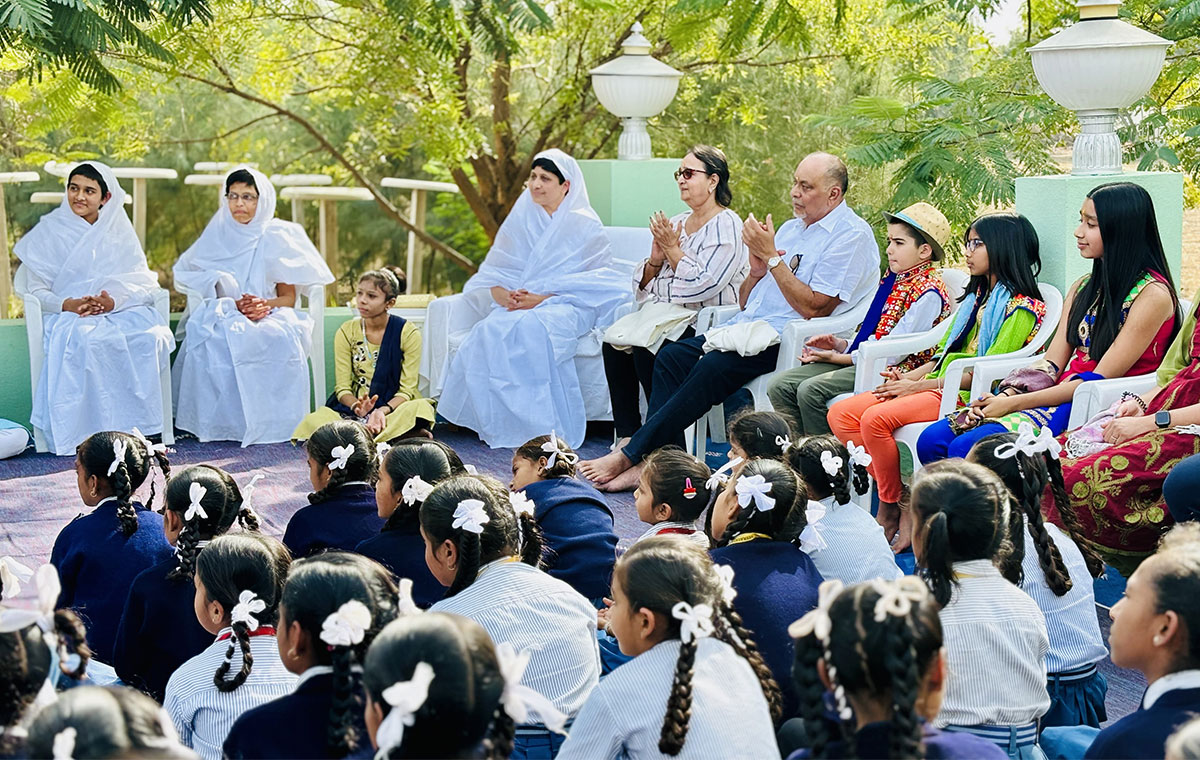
990 320
871 321
386 380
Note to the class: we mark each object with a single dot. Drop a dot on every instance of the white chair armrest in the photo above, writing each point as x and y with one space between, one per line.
711 316
953 378
1094 396
315 297
873 355
992 369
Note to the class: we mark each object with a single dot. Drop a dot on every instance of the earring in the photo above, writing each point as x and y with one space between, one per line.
1158 641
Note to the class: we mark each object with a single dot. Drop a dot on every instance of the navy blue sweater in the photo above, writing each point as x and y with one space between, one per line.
1142 734
872 743
294 726
402 551
776 584
159 630
96 563
577 524
343 521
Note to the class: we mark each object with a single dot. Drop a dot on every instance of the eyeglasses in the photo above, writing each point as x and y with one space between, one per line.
794 262
245 198
688 172
972 244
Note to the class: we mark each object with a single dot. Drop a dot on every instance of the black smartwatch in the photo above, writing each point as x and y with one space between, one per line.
1162 419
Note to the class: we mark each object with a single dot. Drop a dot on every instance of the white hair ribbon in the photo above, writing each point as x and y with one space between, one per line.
471 469
119 449
45 579
470 515
405 698
12 575
196 492
728 592
1030 443
754 488
554 453
721 476
381 450
858 454
816 621
347 626
696 622
898 597
244 611
831 463
521 504
248 492
521 702
64 744
415 489
811 539
151 448
783 442
341 455
404 602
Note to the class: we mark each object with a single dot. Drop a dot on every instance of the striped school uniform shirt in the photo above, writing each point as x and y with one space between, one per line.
730 718
715 261
995 643
203 714
531 610
670 527
855 547
1074 630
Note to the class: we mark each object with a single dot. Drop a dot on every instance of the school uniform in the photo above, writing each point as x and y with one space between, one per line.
855 549
401 550
96 563
203 715
343 521
158 630
871 743
1077 688
1168 702
296 725
577 525
776 584
672 528
995 643
729 719
529 609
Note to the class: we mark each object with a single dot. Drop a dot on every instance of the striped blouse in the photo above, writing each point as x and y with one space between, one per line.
715 261
995 643
203 714
670 527
532 610
855 547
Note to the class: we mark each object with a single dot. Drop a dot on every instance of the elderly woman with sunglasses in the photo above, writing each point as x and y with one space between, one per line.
697 259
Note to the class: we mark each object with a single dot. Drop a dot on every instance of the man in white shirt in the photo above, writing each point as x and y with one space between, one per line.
822 262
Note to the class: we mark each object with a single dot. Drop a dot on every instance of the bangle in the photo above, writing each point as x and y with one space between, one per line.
1126 395
389 408
650 263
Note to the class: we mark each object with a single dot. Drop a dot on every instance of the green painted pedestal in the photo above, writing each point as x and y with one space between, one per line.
1053 203
626 193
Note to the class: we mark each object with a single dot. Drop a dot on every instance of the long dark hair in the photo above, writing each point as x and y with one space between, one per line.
716 164
1132 247
316 588
1012 247
108 722
24 667
805 459
96 455
679 480
757 433
788 518
222 503
361 464
432 461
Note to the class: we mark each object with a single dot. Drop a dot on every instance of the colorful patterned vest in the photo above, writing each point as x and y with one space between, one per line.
908 287
1033 306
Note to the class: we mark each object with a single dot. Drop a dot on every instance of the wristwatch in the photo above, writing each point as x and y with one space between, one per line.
773 262
1162 419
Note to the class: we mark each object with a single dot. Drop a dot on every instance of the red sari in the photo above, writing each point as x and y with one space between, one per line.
1116 494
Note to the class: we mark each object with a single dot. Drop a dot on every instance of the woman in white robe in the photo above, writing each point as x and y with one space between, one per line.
547 280
105 344
242 371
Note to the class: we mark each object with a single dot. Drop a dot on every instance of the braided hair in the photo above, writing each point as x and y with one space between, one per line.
233 564
108 722
564 462
432 461
677 479
960 511
502 536
24 667
805 459
878 661
222 505
656 574
785 522
1070 521
761 434
95 456
361 465
316 588
463 708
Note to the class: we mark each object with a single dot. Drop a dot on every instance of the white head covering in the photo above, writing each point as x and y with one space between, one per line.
80 259
566 254
259 255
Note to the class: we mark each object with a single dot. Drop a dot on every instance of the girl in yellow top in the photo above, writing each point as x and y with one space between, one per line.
376 358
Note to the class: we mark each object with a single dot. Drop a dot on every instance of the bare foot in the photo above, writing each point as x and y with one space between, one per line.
626 481
889 517
605 468
903 539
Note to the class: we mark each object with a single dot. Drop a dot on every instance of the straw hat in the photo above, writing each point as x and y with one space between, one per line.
928 221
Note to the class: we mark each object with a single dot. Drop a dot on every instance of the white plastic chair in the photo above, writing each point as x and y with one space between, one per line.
35 331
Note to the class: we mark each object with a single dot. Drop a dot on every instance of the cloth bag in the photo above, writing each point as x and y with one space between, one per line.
746 338
650 326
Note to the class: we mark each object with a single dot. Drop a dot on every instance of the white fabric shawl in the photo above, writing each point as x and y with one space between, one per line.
514 377
236 379
101 372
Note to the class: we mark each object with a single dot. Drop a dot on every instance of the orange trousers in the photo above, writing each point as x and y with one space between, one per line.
870 422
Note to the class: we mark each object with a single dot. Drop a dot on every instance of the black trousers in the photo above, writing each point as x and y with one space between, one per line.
627 372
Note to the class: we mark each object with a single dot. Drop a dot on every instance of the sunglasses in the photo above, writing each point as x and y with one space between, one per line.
973 244
688 173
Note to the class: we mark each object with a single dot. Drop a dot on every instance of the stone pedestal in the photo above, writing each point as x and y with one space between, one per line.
1053 203
626 193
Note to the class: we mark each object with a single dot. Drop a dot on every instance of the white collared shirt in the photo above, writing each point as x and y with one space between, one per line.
671 527
1180 679
855 547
